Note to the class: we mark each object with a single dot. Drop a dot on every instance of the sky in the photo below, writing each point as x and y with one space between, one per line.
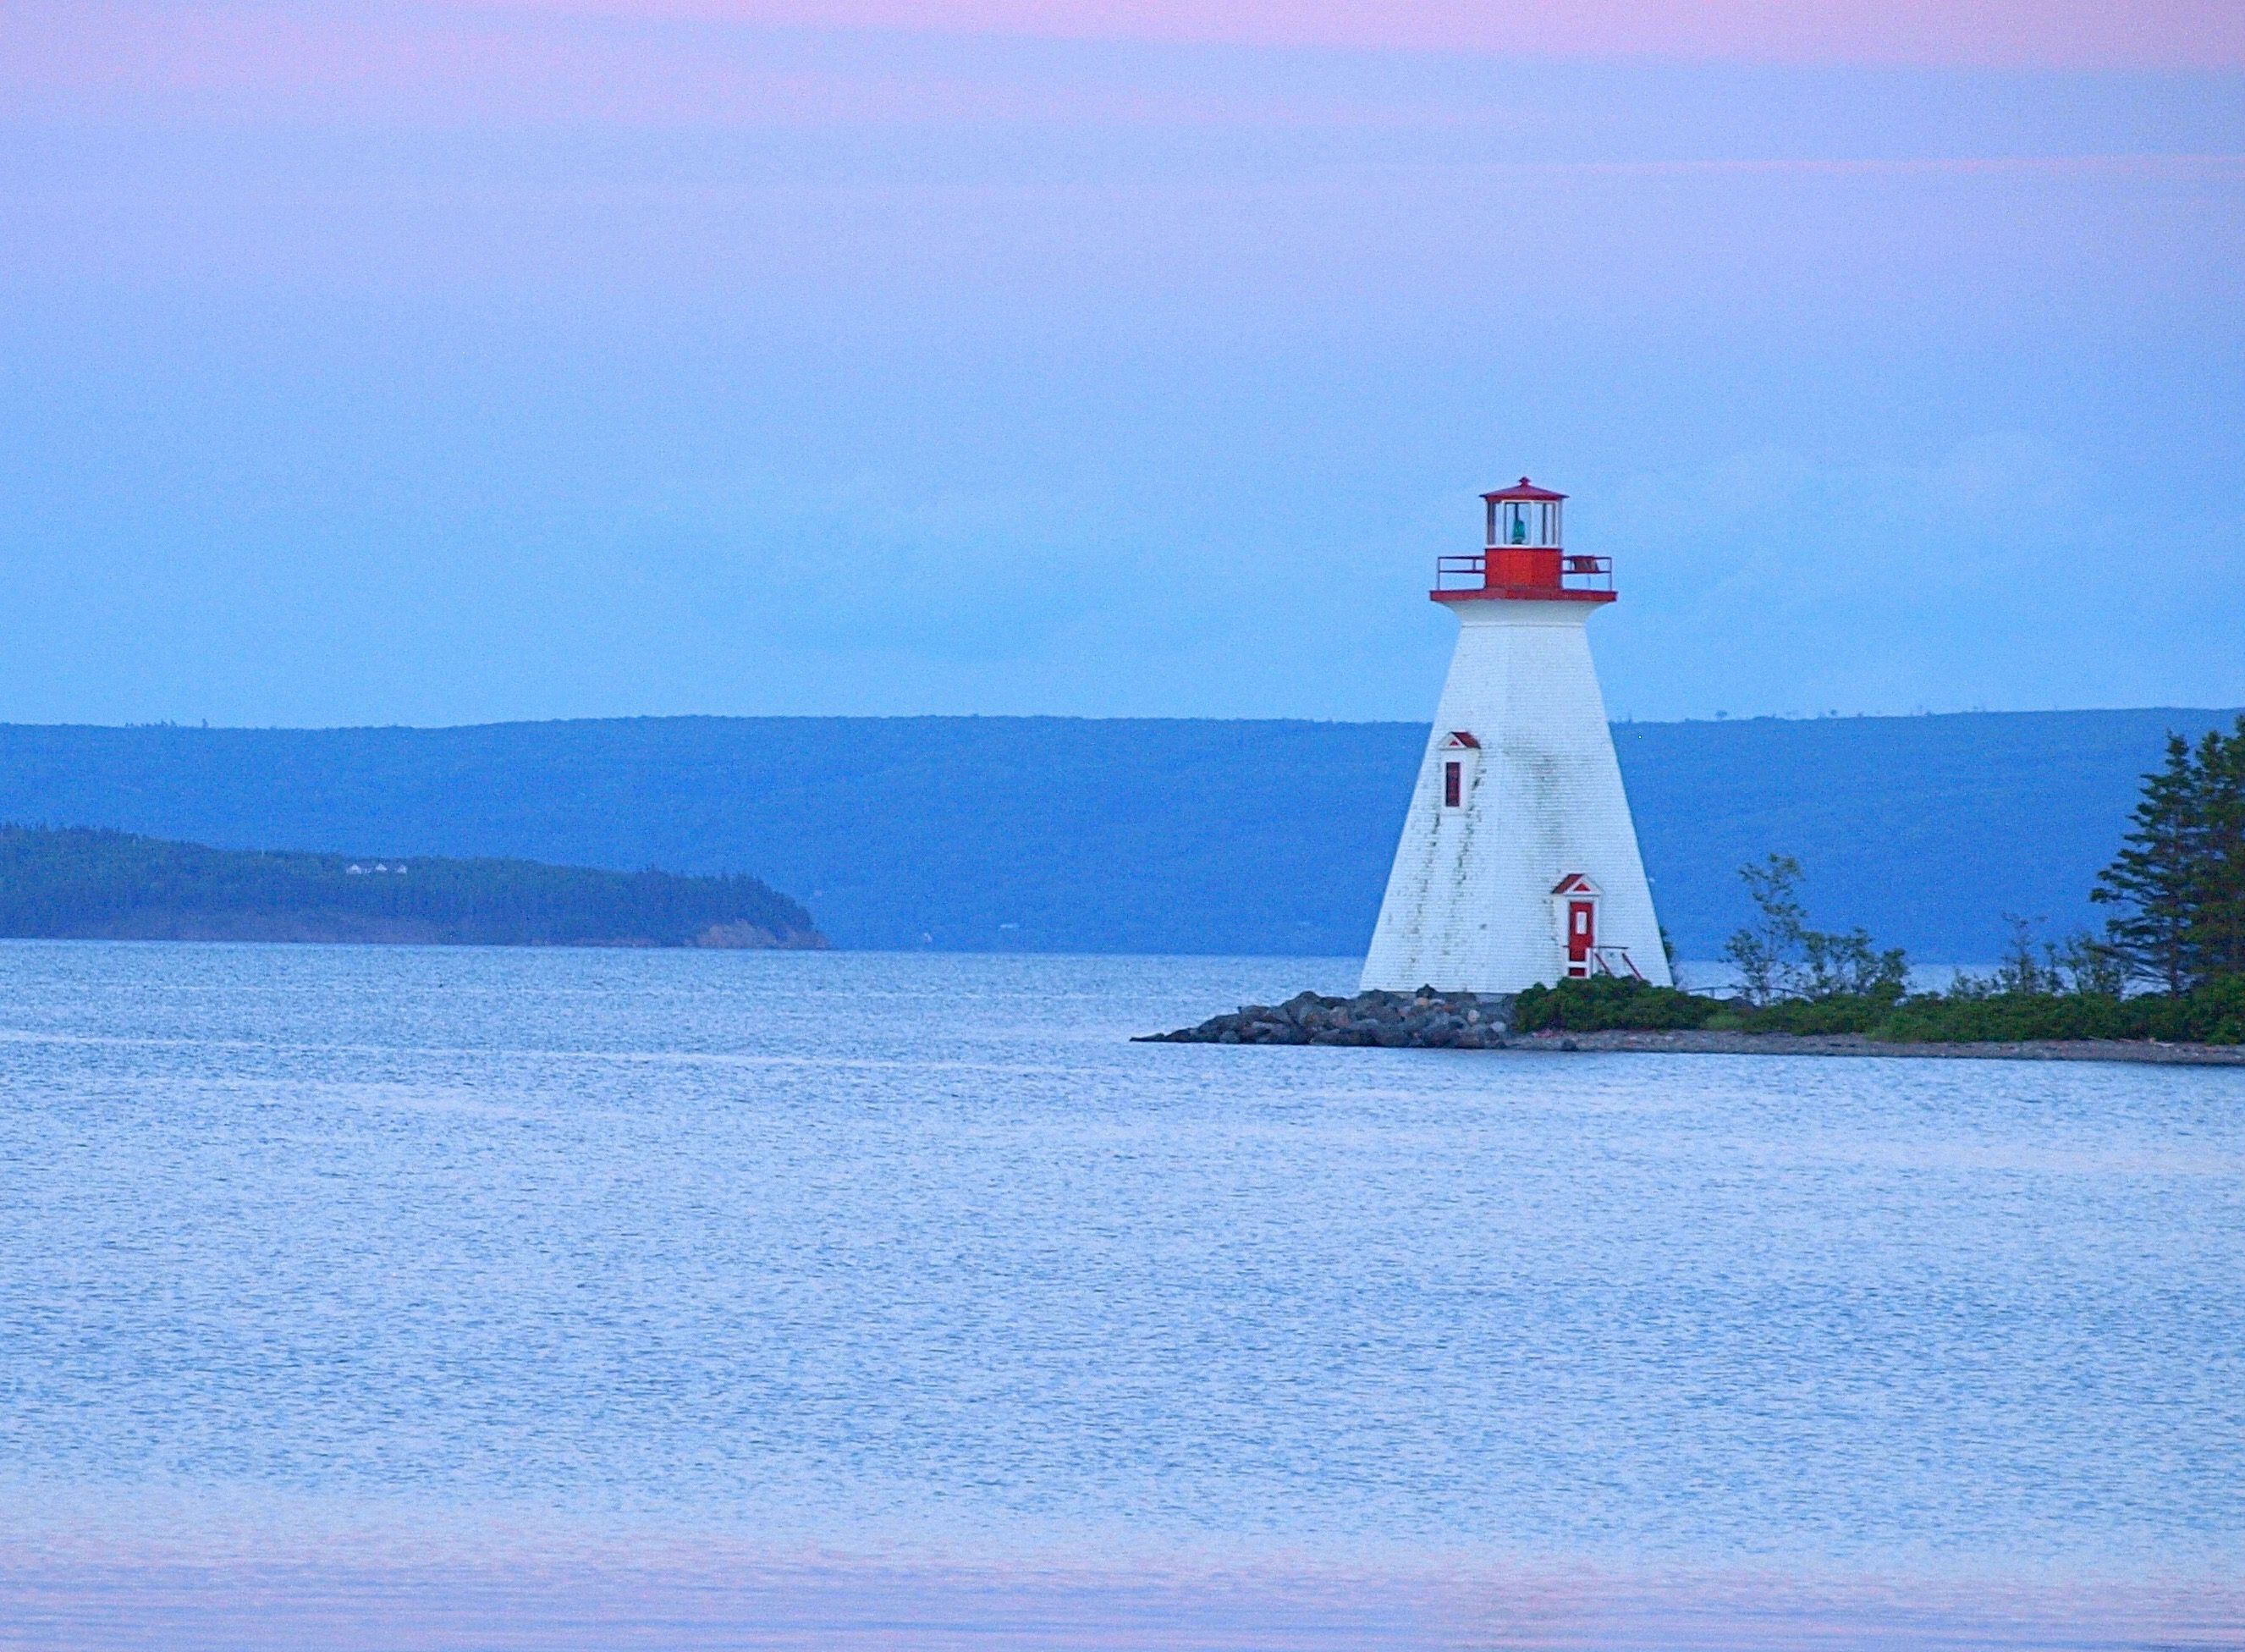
436 364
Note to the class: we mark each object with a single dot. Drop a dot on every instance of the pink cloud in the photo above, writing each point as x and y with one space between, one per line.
247 63
656 62
2047 33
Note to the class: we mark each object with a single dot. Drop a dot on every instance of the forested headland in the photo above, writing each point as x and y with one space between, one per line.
79 883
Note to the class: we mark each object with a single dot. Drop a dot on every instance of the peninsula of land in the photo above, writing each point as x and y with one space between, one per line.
80 884
1856 1044
1540 1020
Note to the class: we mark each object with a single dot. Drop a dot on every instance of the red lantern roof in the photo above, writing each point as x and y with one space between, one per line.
1523 489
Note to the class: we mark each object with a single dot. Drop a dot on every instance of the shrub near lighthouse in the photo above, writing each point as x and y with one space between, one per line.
1518 862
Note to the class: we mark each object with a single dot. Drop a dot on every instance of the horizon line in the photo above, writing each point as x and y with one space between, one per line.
1714 718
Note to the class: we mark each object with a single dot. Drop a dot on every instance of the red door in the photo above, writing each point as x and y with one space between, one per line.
1581 936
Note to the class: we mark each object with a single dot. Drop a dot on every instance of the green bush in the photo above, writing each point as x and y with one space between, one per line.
2212 1014
1842 1012
2006 1018
1604 1004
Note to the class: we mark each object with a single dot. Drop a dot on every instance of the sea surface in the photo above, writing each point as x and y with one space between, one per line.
392 1297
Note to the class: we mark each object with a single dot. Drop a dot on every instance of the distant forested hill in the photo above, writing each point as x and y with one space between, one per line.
112 885
1049 833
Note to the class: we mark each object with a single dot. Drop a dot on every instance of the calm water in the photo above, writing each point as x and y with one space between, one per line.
437 1290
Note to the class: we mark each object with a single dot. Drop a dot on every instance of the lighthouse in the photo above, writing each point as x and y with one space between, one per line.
1518 862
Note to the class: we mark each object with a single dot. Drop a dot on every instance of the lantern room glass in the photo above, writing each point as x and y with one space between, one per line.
1524 523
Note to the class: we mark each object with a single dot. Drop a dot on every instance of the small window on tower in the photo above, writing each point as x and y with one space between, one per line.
1454 776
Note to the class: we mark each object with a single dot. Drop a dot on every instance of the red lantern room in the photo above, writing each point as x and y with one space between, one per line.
1522 557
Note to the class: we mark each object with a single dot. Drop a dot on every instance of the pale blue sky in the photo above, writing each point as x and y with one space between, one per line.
786 371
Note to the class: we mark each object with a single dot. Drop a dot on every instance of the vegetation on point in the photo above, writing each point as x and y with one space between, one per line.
97 884
2211 1013
2179 886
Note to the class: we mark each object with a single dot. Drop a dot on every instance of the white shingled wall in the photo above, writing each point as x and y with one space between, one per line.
1469 905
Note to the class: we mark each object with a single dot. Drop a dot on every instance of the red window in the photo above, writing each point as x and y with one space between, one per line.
1454 775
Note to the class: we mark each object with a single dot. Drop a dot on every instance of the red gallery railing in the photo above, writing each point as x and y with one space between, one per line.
1562 571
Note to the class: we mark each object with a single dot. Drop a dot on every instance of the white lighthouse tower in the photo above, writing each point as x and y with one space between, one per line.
1519 861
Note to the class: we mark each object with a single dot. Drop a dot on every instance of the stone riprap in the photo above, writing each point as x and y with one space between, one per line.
1421 1020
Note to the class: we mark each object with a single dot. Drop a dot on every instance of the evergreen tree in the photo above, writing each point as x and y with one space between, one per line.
2158 876
2216 939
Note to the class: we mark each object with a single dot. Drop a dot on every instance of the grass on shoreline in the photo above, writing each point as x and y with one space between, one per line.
2212 1014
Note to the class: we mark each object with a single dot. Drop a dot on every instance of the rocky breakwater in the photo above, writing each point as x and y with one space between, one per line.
1421 1020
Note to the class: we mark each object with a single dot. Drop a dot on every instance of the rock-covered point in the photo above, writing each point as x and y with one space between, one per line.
1423 1020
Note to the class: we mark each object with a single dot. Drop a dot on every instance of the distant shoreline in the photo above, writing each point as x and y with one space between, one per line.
294 930
89 884
1787 1043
